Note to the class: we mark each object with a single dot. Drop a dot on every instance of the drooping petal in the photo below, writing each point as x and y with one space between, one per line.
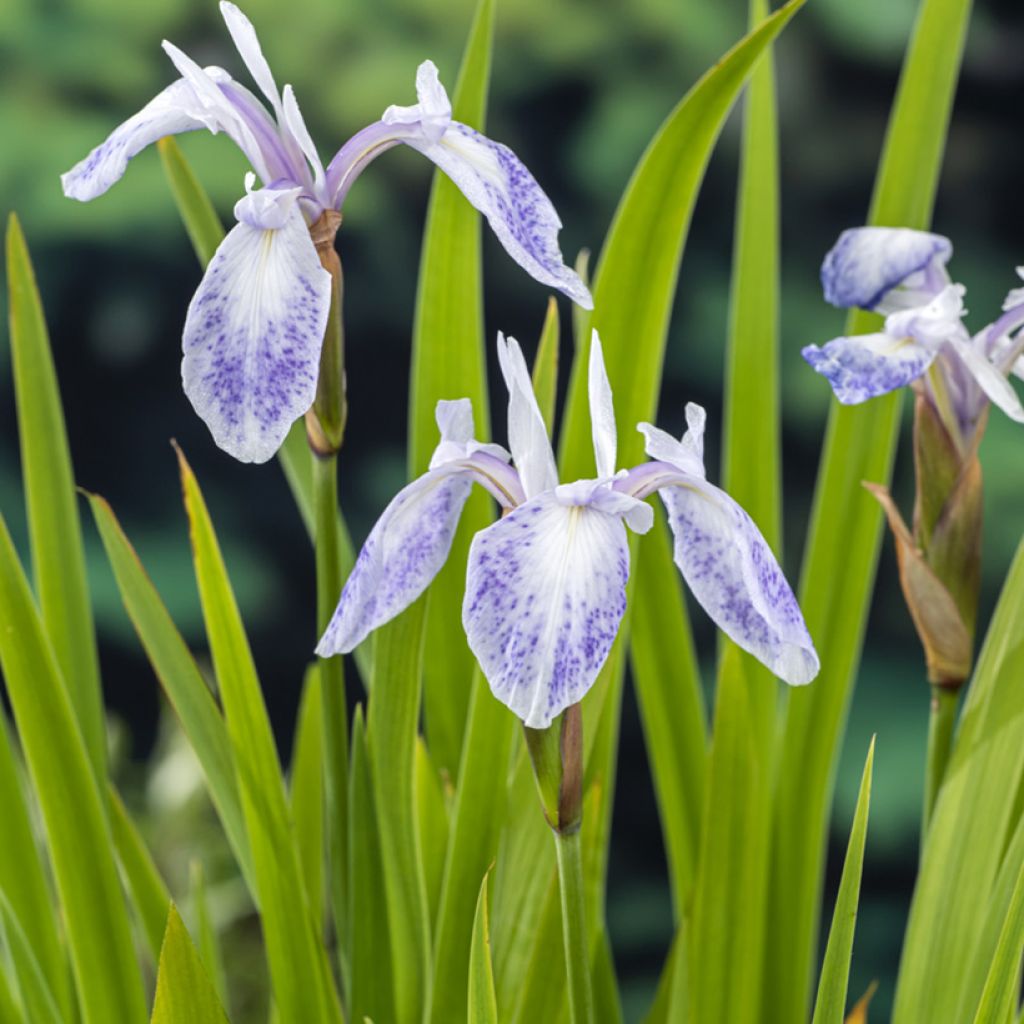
403 553
527 435
602 411
545 594
177 109
995 385
897 265
735 577
866 365
253 335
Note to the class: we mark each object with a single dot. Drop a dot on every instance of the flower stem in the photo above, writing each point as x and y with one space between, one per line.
941 721
574 930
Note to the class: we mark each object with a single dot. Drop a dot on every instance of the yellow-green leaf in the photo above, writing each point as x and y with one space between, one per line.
184 992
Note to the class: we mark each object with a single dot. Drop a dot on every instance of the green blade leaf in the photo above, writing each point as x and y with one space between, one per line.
55 531
483 1006
830 1005
845 532
448 362
372 989
180 678
204 228
300 975
209 942
478 816
184 992
391 730
963 855
74 814
22 879
432 821
999 997
38 1002
545 366
147 888
635 282
307 792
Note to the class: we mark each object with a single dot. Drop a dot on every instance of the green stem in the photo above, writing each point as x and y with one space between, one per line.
574 926
941 720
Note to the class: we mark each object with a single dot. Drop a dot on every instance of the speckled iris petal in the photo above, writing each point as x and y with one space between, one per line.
403 553
545 594
253 335
734 575
867 263
170 112
866 365
494 180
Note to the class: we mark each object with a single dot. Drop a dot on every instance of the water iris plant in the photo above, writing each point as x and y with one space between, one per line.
400 870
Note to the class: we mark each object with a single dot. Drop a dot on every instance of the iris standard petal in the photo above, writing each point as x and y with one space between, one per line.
527 435
995 385
243 35
735 577
253 336
545 594
866 365
602 410
494 180
866 264
177 109
403 553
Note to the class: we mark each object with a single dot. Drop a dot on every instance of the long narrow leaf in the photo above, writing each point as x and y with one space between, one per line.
830 1005
209 941
483 1007
844 538
55 531
297 960
448 362
37 999
184 992
74 812
1002 986
180 678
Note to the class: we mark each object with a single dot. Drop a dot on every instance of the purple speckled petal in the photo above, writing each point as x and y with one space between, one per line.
866 365
403 553
545 594
494 180
884 268
735 577
177 109
253 335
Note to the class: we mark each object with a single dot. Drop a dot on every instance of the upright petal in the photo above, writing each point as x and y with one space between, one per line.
735 577
403 553
995 385
545 594
177 109
253 334
686 454
866 365
433 113
527 435
602 411
248 45
897 265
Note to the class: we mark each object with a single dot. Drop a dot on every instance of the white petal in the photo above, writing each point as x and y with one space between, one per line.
494 180
687 454
248 45
735 577
602 411
175 110
545 594
998 389
296 125
253 336
403 553
866 265
266 207
527 435
433 112
866 365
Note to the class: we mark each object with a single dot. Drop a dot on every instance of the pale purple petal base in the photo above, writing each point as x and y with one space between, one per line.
863 366
403 553
545 595
735 577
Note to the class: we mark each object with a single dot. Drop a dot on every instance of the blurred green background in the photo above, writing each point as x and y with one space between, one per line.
578 89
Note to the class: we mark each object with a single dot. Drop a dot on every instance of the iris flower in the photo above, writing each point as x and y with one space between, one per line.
254 329
546 583
902 274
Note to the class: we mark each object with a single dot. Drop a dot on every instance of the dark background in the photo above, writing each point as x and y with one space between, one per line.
578 89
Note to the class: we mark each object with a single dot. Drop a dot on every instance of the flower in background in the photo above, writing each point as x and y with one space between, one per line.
546 584
255 327
902 274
